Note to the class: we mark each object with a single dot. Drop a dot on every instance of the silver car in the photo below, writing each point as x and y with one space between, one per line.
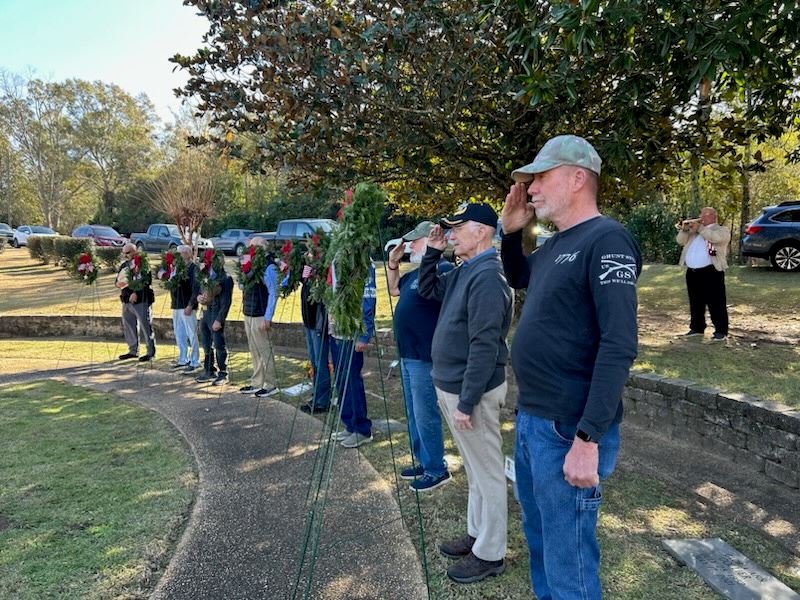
232 241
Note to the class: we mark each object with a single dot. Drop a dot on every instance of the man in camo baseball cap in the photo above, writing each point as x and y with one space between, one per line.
561 150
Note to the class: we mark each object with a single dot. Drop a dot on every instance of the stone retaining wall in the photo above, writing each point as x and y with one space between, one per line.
284 335
737 427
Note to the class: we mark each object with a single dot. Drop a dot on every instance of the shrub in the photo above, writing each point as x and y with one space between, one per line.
36 248
653 227
67 248
109 256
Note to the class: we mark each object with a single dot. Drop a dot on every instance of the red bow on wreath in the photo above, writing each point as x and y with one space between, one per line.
169 258
315 240
247 263
208 256
84 259
287 248
137 263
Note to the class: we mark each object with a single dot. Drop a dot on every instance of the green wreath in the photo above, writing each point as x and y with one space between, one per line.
316 258
349 256
292 256
85 268
172 271
251 265
211 264
139 275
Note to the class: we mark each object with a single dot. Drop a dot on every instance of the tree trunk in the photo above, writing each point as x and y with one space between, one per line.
744 214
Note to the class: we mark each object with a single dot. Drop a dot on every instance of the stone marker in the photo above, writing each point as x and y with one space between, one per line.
385 426
295 390
728 571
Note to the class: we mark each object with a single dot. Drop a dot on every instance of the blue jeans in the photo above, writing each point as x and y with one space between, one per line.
185 327
559 520
424 418
352 396
317 346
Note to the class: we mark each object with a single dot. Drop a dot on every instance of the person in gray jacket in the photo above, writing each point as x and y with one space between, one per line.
469 356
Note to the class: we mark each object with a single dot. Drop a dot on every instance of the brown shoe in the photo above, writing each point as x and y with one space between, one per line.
457 548
471 569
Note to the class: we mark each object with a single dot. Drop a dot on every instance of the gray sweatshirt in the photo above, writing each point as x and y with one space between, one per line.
469 348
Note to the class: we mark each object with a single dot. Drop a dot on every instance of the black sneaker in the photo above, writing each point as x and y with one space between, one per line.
412 472
147 357
472 569
310 409
719 337
264 392
248 389
457 548
189 370
426 483
692 333
220 379
178 366
205 377
127 355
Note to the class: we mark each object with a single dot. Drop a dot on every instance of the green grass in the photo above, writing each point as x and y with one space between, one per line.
93 493
639 511
30 288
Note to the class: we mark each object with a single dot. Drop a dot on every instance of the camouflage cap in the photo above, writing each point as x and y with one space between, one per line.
558 151
420 231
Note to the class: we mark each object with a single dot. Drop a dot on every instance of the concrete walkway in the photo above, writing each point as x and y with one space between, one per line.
246 531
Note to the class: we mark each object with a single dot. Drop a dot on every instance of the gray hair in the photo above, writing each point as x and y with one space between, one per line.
183 248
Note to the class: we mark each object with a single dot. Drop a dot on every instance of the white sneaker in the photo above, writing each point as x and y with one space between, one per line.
355 440
341 435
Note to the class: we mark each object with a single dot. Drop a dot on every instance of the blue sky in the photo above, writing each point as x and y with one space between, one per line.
126 42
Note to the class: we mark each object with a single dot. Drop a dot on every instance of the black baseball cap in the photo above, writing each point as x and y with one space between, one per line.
480 212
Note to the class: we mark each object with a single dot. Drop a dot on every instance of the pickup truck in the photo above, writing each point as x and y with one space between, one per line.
164 236
296 229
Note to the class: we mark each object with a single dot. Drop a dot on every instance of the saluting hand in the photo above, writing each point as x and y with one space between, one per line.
437 239
396 255
517 211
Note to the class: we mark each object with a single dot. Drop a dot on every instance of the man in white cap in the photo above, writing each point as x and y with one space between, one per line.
572 351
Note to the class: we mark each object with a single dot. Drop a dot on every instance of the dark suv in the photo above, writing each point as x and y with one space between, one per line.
775 235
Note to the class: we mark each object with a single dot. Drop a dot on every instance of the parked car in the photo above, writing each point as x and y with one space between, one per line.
232 240
295 229
775 234
22 233
103 235
6 232
164 236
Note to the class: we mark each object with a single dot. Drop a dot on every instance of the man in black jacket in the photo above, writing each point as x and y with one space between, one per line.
136 311
469 355
212 328
574 344
315 325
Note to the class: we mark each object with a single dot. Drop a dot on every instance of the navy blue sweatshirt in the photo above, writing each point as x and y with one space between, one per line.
469 349
577 335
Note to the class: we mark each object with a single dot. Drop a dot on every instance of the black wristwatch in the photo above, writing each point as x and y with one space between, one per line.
582 435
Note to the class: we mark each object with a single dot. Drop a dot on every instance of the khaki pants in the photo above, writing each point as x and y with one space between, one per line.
482 451
258 342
